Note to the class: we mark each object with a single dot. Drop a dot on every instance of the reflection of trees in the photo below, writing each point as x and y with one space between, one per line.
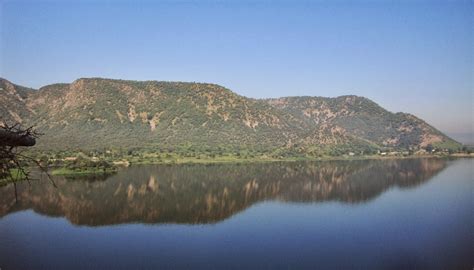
205 194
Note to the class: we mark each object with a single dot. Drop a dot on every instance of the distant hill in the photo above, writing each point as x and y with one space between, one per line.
93 113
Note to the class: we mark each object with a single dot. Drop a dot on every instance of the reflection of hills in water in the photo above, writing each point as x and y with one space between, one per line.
206 194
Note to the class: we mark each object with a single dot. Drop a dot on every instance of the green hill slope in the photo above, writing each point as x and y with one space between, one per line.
95 113
364 119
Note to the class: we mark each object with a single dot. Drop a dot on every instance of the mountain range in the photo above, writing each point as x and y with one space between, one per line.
93 113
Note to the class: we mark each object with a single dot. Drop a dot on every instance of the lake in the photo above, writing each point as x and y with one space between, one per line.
372 214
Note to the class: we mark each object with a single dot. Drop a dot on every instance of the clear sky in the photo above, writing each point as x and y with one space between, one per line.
410 56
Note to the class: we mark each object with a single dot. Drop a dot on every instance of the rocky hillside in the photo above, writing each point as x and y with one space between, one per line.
96 113
13 107
364 119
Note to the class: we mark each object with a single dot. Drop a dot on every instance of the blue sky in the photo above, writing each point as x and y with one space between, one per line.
411 56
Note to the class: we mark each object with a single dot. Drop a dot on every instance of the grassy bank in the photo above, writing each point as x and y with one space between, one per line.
81 171
16 175
217 160
80 164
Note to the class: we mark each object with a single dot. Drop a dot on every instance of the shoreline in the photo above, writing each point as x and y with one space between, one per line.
121 164
185 161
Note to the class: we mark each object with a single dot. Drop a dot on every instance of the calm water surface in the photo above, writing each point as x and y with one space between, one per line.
392 214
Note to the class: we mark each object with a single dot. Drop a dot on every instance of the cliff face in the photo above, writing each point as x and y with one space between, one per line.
96 113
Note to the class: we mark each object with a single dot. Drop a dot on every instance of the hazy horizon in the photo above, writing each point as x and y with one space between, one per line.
410 57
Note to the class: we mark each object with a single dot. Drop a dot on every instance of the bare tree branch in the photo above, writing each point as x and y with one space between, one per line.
12 162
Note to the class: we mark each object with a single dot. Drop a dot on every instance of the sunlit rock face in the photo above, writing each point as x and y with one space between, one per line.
197 194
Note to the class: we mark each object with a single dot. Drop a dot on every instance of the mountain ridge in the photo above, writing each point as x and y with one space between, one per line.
90 113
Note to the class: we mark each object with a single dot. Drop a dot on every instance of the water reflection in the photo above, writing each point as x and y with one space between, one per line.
196 194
